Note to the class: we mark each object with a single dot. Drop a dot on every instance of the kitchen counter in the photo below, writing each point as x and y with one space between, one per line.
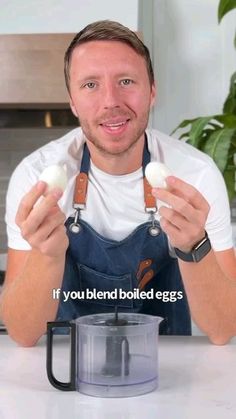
197 380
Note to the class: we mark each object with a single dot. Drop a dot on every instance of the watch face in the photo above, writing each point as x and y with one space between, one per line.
202 249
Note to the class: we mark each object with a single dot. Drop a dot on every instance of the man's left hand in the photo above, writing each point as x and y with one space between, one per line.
184 222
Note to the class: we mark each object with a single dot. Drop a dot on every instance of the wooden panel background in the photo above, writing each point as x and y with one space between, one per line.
31 69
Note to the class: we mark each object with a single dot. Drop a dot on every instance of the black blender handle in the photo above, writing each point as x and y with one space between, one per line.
71 385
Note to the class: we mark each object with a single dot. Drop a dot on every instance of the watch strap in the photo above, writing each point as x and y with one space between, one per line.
198 252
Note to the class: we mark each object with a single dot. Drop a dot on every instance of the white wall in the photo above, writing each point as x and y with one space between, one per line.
37 16
193 59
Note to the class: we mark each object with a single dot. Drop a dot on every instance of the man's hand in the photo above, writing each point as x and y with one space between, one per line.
42 225
185 221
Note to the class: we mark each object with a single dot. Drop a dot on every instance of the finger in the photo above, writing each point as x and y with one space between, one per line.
55 242
40 212
174 218
54 210
45 229
181 206
188 192
176 236
181 231
193 231
29 200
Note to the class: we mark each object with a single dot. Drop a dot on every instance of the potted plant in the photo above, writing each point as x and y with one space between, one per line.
216 134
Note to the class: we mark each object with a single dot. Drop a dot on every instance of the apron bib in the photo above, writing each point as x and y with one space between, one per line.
140 262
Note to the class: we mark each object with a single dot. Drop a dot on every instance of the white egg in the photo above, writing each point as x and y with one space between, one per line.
156 174
55 176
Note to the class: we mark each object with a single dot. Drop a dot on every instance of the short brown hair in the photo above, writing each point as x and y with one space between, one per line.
107 30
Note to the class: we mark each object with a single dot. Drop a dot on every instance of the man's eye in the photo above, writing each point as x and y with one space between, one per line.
126 82
89 85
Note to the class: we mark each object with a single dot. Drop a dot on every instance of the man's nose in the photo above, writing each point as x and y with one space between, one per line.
111 96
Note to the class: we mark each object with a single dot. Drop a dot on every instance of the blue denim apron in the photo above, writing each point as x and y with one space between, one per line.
141 261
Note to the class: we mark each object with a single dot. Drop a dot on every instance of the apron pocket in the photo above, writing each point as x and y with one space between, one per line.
91 282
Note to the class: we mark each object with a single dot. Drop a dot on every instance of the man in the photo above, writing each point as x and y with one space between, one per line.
113 242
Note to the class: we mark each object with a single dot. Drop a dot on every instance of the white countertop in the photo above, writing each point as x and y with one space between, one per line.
197 380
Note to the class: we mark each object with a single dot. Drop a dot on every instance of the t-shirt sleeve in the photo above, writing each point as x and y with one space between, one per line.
218 225
20 183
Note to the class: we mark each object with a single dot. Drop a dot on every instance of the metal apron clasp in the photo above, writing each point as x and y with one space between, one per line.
154 230
75 227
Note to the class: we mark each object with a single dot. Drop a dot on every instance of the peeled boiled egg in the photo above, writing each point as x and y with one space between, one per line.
156 174
55 176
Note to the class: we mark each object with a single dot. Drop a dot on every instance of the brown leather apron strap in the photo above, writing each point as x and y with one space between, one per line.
150 201
146 278
81 186
80 192
144 264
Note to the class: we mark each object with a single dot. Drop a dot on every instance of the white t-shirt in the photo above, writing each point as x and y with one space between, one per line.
115 204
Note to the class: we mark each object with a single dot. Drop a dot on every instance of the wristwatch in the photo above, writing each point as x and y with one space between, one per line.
198 252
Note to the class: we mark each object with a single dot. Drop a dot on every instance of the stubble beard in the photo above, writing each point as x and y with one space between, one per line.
102 149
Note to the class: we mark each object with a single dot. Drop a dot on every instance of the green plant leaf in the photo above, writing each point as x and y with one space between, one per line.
207 132
218 145
183 124
224 7
229 178
184 135
204 138
197 128
234 143
232 151
215 126
230 103
228 120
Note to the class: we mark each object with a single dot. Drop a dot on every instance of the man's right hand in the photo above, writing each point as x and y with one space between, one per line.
42 225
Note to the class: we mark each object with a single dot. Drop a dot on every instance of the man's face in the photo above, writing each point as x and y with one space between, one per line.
110 94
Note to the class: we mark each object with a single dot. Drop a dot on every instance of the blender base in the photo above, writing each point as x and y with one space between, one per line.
128 390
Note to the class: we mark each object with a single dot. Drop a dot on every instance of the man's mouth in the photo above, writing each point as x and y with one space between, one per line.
115 126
